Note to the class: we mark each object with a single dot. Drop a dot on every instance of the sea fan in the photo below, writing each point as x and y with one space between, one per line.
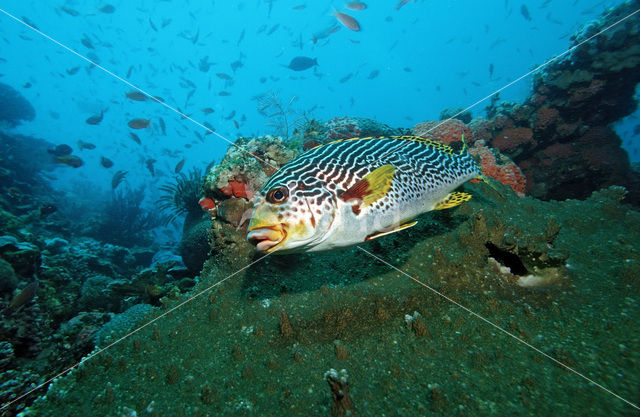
271 106
182 196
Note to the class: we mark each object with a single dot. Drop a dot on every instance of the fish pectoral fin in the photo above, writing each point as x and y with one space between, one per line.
372 186
388 232
452 200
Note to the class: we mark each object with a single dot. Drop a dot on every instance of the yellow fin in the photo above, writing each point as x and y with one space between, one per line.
452 200
372 186
395 229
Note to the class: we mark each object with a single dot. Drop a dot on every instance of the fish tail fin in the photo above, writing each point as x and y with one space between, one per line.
485 180
465 147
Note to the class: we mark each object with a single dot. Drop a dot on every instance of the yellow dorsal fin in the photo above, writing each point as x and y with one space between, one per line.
452 200
372 186
388 232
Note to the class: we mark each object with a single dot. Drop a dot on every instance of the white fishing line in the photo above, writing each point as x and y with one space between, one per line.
134 86
94 354
536 69
498 327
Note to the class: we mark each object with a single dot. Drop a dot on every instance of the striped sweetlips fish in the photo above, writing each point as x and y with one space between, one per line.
353 190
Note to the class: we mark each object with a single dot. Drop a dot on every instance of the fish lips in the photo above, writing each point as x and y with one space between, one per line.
266 239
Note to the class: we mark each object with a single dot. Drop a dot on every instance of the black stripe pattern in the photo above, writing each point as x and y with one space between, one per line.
422 166
314 216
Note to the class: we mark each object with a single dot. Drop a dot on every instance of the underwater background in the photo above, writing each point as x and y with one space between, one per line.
123 204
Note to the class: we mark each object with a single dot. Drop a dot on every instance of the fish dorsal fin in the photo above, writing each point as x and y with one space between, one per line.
452 200
388 232
410 138
372 186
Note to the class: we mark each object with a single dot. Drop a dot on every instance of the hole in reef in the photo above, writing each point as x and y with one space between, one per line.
508 259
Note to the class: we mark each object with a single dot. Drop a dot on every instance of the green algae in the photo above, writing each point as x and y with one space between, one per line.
260 343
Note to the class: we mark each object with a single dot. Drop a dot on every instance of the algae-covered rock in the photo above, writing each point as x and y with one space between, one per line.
246 167
8 278
194 247
234 210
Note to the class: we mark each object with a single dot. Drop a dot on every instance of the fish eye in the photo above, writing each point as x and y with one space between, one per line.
278 195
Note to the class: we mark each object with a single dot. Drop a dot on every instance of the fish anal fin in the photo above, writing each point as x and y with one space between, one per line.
393 230
372 186
452 200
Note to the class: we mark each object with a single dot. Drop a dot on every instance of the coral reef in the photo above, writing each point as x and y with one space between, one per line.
23 160
246 167
194 245
500 167
352 127
560 136
339 383
408 350
123 220
14 108
447 132
456 113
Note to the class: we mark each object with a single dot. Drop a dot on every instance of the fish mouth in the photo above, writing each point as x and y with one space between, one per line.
265 239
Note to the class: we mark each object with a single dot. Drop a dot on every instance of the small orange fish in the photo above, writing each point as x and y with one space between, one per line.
139 123
347 21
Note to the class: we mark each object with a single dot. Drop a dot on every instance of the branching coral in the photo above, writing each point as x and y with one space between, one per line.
280 115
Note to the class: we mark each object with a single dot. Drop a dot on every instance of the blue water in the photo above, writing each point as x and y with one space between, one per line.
430 56
403 67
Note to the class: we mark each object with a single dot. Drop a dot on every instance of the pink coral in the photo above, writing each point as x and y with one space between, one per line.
481 129
581 94
500 167
237 189
448 132
509 139
547 117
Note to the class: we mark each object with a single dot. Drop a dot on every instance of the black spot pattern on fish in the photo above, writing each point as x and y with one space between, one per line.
422 166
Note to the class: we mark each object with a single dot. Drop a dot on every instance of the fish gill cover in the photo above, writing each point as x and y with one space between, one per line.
132 172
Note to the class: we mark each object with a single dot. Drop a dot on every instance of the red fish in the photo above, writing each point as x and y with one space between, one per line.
347 21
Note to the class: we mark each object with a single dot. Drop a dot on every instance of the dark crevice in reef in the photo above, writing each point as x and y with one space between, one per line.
508 259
